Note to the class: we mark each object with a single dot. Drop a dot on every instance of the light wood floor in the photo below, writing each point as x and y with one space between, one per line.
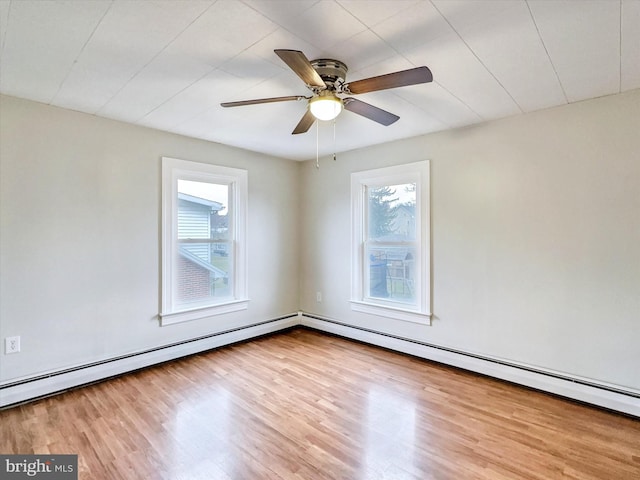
304 405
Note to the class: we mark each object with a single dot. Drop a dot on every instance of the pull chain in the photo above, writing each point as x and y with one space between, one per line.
317 144
334 139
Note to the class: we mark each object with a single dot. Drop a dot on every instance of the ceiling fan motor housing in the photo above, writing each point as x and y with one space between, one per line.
333 72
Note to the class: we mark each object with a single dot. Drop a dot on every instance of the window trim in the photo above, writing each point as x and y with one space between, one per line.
417 172
174 169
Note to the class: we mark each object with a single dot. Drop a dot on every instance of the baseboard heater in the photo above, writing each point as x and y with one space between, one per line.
611 397
50 383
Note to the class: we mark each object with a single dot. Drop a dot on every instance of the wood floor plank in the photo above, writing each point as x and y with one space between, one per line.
305 405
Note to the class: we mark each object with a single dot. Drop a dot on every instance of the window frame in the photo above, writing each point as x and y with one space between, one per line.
418 173
174 169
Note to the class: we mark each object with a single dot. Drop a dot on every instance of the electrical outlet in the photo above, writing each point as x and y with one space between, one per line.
319 297
11 345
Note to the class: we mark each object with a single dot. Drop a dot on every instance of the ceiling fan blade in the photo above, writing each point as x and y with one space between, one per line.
262 100
369 111
413 76
300 64
304 124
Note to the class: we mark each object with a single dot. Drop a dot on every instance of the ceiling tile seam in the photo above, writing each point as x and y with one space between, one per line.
75 60
481 117
201 112
280 26
247 48
397 12
400 54
142 117
348 12
546 51
370 29
391 47
478 58
213 69
447 125
208 72
204 111
251 86
356 18
434 81
275 20
141 69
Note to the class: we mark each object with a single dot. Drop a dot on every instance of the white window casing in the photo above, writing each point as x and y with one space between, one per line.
418 308
173 171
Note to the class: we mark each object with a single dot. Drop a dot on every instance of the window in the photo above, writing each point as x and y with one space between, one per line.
204 269
390 242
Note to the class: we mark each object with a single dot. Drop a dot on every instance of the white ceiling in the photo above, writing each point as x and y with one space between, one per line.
168 64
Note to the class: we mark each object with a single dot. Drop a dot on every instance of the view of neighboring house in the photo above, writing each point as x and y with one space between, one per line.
201 229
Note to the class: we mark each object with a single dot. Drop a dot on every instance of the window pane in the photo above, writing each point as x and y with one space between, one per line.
390 252
203 267
392 212
392 273
199 279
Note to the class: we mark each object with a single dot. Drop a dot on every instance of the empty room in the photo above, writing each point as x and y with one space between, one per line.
320 239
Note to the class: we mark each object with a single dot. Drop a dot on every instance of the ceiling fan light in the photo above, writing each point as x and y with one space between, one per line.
326 107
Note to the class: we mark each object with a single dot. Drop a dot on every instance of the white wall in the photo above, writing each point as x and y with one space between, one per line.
535 238
80 237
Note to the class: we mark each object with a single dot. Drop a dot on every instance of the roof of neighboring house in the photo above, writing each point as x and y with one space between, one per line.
216 206
218 273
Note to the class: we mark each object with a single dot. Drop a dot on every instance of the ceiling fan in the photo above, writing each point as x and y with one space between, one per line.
326 80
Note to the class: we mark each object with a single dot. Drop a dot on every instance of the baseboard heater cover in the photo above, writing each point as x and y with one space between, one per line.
31 388
605 396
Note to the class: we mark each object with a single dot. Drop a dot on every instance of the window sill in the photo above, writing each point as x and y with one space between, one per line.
391 312
202 312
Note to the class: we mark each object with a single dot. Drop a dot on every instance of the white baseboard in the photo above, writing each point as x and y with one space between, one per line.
621 400
56 381
607 396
